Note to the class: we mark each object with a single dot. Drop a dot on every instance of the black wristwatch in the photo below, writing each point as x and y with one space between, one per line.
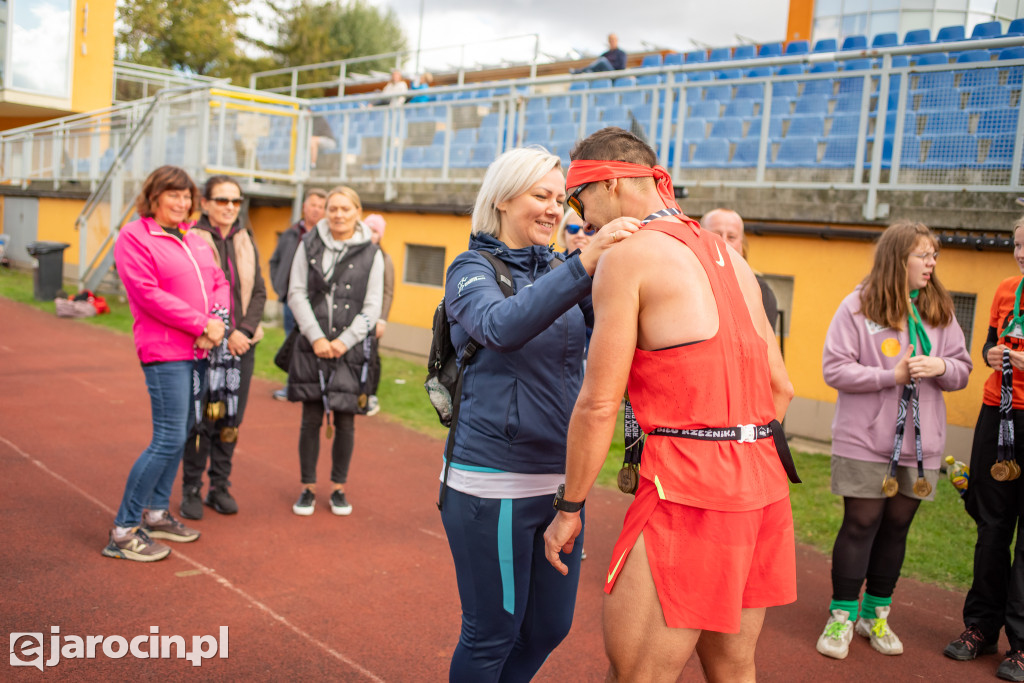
566 505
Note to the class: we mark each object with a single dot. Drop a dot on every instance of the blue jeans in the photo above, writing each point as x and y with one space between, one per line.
599 64
152 476
516 608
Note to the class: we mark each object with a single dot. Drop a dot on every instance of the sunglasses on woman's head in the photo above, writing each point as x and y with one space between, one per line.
572 229
224 201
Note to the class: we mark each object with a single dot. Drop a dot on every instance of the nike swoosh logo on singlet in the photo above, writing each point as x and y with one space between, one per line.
720 261
615 570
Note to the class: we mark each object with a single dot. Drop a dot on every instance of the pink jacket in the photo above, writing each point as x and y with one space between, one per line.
859 363
172 286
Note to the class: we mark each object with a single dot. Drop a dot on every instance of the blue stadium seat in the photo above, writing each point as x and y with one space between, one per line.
591 127
743 108
814 104
854 84
806 126
997 122
605 99
615 116
718 92
987 29
950 151
946 123
1013 73
651 60
745 154
728 74
465 136
458 156
782 105
695 129
536 104
563 116
798 47
412 156
968 56
885 40
910 150
433 157
774 126
536 118
673 59
706 110
720 54
696 56
791 69
729 128
770 50
1016 26
1000 152
579 85
932 59
796 152
624 82
490 121
537 135
633 98
840 152
990 97
564 131
847 102
844 125
931 100
558 102
976 78
482 155
744 52
921 36
855 43
711 153
899 61
650 79
936 79
825 68
820 86
950 34
826 45
599 83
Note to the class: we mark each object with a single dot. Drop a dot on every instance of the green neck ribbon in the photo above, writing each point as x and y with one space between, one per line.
918 335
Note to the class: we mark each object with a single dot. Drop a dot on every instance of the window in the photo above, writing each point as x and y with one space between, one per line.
885 22
963 309
40 47
424 265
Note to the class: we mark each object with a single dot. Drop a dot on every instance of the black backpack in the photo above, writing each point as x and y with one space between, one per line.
444 375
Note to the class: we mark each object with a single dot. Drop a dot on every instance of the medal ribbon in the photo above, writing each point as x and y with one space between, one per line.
1004 451
324 383
910 398
915 329
225 372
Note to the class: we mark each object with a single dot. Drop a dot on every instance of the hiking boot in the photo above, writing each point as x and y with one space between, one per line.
877 630
372 406
969 645
220 500
191 503
834 641
339 505
306 503
281 394
1012 668
136 546
168 528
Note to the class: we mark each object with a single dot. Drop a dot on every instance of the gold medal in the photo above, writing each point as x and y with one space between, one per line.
329 431
215 410
890 487
362 401
628 479
922 488
1014 469
1000 471
229 434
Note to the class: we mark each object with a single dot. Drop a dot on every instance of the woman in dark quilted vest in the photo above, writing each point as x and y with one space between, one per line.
334 292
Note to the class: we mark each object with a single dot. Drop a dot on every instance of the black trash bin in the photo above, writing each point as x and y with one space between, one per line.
49 276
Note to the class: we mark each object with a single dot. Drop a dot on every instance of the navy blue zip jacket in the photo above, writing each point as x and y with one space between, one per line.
520 388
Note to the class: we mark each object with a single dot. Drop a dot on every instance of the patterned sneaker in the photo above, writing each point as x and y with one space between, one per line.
1012 668
191 503
306 503
835 640
372 406
220 500
877 629
339 505
136 546
168 528
969 645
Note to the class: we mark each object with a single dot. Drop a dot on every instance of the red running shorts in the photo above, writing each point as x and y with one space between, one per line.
707 564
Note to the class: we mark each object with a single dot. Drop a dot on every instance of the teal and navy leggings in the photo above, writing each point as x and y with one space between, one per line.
516 608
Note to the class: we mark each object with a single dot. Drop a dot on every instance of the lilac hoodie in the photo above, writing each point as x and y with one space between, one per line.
172 286
853 363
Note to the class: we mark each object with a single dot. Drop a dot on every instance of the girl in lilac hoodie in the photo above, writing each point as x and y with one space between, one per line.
893 346
173 282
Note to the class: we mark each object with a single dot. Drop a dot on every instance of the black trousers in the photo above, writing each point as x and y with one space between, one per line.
211 448
996 597
374 377
309 442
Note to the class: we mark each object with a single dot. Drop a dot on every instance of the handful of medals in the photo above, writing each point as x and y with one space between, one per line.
225 377
890 487
629 475
1005 467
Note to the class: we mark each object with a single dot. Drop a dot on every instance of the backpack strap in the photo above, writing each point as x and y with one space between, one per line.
504 279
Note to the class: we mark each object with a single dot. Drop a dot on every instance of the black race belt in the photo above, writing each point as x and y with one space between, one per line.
741 433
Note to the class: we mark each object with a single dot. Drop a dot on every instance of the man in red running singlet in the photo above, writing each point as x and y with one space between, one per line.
707 544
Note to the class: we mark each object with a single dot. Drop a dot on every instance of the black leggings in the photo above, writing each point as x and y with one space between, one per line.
309 442
871 544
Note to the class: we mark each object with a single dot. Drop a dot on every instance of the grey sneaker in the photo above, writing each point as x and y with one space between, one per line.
969 645
834 641
220 500
306 503
136 546
281 394
191 503
1012 668
339 505
372 406
169 529
878 631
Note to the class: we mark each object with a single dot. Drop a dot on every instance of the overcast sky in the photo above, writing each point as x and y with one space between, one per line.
563 27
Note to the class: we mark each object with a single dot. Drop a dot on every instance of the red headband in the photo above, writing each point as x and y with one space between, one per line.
583 171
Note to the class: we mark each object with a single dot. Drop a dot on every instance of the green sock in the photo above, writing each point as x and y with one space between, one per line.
848 606
870 602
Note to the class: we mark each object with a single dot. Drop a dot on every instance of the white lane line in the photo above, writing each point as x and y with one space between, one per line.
90 384
428 532
208 571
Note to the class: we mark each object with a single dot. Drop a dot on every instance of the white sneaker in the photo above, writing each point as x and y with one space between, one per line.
882 638
835 639
372 406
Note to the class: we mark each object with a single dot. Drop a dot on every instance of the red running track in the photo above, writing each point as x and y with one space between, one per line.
366 597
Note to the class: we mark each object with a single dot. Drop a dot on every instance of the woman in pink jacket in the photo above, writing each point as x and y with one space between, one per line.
173 284
893 347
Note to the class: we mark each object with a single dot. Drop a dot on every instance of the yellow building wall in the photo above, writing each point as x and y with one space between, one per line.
267 223
824 272
57 224
93 66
